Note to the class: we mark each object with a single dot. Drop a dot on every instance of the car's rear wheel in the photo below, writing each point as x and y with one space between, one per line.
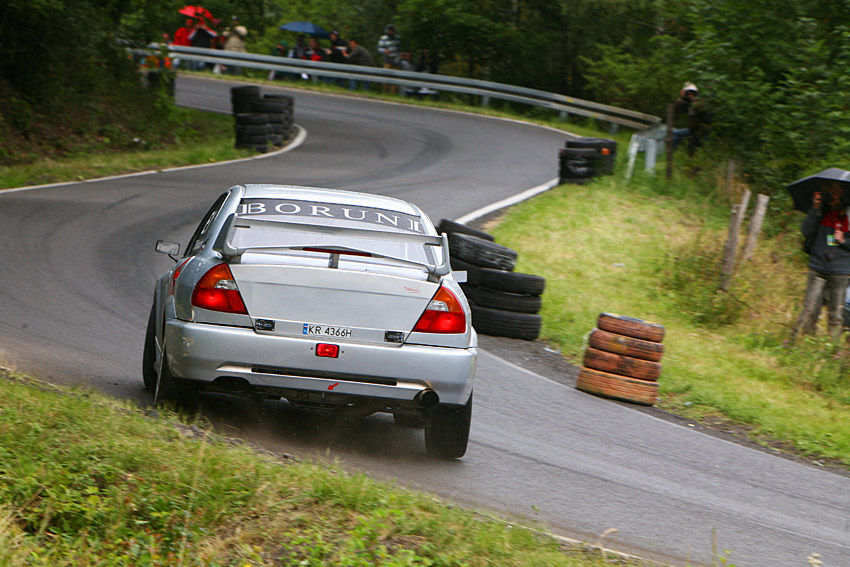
183 393
149 355
447 431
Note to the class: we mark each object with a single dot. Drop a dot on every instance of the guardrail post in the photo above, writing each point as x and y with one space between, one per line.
613 128
563 115
634 144
485 100
651 154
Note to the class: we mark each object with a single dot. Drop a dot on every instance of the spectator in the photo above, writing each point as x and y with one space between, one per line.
203 36
389 46
314 51
181 36
825 229
698 122
359 55
300 48
300 52
427 63
280 50
337 52
404 64
234 41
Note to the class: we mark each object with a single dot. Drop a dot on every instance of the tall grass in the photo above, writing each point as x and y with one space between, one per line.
90 481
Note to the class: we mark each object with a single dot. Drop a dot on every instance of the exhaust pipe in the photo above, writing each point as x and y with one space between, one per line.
427 398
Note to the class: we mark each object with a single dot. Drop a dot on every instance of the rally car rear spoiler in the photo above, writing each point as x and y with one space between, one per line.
223 244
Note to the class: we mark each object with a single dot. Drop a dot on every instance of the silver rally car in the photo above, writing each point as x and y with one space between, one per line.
331 299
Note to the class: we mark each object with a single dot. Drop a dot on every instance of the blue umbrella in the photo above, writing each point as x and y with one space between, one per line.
306 27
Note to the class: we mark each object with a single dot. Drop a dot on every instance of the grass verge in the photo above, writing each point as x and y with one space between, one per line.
158 491
650 250
202 137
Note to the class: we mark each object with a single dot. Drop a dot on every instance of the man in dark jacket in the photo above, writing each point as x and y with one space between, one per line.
359 55
826 230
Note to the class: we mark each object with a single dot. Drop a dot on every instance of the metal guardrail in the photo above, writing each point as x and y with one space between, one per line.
487 90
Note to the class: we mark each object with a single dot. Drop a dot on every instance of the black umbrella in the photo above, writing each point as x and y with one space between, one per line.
803 189
306 27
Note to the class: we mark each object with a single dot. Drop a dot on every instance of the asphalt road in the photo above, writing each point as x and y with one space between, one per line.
77 268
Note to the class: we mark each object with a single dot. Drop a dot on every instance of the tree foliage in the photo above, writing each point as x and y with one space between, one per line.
772 74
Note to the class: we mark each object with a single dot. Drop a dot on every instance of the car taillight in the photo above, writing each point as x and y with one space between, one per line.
443 315
217 291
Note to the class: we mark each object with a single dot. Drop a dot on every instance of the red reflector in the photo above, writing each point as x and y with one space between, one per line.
327 350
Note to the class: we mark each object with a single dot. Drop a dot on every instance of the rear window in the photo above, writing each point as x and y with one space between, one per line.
329 214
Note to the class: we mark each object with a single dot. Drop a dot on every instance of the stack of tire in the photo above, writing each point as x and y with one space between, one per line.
504 303
261 119
622 360
584 158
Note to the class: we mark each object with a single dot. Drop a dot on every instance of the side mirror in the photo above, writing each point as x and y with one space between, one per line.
172 249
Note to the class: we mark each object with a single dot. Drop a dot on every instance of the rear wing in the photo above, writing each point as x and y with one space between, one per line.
224 246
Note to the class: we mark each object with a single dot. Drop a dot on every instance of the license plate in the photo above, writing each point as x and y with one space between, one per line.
326 331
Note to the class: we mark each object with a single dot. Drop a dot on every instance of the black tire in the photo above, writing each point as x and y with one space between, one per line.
508 282
267 107
500 323
283 99
593 143
149 355
276 140
277 119
577 153
243 107
452 227
245 91
500 280
249 119
447 431
278 129
458 264
253 140
500 300
183 393
482 252
577 172
245 130
261 148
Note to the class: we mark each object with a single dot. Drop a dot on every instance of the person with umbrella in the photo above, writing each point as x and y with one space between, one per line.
205 37
827 242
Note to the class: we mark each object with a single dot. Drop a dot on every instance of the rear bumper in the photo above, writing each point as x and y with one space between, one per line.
204 353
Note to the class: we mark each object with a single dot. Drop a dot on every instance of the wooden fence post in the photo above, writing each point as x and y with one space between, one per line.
755 226
814 301
731 249
669 142
745 202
